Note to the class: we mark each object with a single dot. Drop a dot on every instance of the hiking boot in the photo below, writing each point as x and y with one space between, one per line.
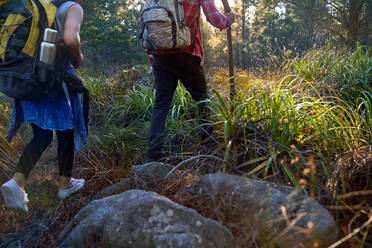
77 184
15 197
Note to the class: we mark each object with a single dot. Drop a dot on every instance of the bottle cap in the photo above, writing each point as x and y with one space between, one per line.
50 35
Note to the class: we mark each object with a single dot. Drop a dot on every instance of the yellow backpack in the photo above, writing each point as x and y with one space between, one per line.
22 25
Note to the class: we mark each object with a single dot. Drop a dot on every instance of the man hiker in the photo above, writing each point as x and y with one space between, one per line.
184 64
54 111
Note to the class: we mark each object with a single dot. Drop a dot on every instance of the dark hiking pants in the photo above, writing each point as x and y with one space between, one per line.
168 69
41 140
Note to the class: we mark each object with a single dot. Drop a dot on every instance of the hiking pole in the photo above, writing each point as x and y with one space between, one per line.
227 9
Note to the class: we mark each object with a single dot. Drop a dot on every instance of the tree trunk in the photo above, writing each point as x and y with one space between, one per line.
366 32
310 24
244 58
353 24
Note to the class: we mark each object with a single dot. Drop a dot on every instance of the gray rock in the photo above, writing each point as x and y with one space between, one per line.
141 219
291 218
153 170
116 188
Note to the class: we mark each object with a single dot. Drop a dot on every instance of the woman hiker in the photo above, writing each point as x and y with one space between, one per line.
55 111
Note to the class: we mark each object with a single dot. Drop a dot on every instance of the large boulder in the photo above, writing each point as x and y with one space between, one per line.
141 219
289 217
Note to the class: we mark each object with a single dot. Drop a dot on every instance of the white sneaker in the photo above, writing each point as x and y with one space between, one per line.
77 184
15 197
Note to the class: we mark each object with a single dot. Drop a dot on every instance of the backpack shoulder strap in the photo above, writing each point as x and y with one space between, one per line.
43 12
13 14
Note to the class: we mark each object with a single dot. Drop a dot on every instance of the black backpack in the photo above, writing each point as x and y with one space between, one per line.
22 25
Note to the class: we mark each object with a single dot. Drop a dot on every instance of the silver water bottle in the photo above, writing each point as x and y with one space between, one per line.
48 52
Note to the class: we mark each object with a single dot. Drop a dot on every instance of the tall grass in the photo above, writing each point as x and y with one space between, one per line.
304 109
121 111
118 111
323 66
347 76
357 74
334 70
365 108
295 118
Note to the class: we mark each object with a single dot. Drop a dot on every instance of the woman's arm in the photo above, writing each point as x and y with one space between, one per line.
71 35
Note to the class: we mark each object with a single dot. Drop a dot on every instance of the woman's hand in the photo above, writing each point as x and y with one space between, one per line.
78 61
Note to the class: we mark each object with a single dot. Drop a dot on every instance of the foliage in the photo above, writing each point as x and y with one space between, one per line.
323 66
357 73
348 20
265 32
292 116
121 112
109 33
348 74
